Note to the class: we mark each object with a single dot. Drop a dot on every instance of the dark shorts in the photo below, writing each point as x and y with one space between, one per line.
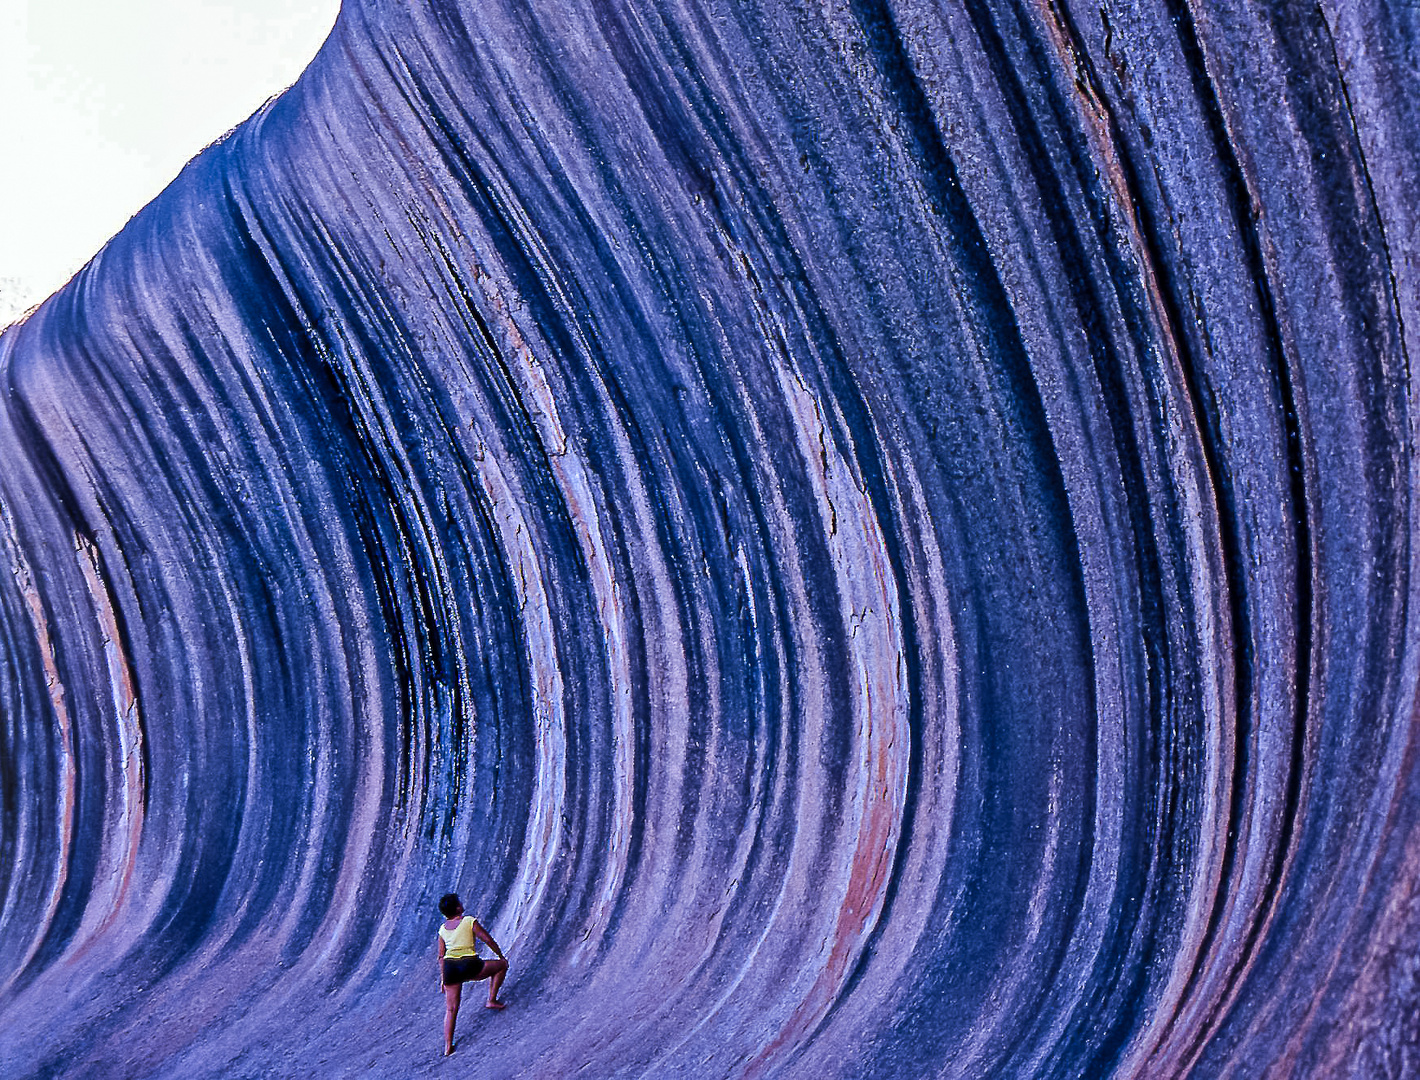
461 970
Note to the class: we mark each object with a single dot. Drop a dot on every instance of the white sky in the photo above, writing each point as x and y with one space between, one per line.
102 102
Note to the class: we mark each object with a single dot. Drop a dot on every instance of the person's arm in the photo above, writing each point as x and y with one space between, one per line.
441 960
487 938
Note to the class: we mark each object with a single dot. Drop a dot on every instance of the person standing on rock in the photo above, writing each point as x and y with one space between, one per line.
459 962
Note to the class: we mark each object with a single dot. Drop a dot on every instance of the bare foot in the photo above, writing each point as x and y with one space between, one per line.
495 1004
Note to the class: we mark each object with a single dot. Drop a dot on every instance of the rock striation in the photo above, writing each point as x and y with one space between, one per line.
864 539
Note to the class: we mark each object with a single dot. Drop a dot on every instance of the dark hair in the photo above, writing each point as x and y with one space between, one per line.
449 904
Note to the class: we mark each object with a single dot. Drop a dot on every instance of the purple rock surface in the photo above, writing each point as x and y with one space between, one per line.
865 539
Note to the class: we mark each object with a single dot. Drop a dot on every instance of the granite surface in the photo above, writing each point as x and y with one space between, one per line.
866 538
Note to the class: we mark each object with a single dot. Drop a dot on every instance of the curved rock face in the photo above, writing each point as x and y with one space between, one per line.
869 539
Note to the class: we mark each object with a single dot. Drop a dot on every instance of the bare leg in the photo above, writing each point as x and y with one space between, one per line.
495 971
452 993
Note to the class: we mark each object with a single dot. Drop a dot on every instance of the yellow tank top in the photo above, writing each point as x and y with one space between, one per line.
459 941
